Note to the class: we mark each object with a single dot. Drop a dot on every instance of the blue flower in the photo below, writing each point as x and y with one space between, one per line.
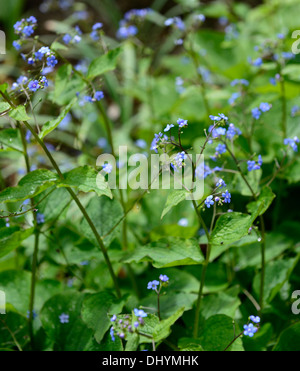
51 61
209 201
40 218
252 165
140 313
233 98
34 85
255 319
182 123
113 318
218 118
107 168
168 127
164 278
28 31
264 107
99 95
221 183
292 143
112 334
227 197
250 330
67 38
64 318
152 285
17 45
141 143
97 26
232 132
256 113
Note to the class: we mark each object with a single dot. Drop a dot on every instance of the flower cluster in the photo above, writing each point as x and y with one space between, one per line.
257 111
96 97
44 55
95 34
23 83
127 26
127 324
25 29
220 197
176 22
157 285
292 142
75 38
252 165
177 161
250 329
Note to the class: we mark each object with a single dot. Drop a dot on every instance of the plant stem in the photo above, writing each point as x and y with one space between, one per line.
75 198
233 341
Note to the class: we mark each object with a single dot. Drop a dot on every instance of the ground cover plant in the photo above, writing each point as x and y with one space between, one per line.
149 176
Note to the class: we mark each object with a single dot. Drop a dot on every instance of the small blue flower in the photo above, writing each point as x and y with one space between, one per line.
40 218
168 127
209 201
221 184
182 123
112 334
250 330
113 318
67 39
17 45
152 285
264 107
140 313
141 143
292 143
34 85
256 113
227 197
164 278
255 319
107 168
97 26
99 95
64 318
51 61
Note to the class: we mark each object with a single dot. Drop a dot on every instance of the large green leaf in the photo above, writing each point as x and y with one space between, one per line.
105 214
218 333
11 139
174 198
19 114
73 335
51 125
11 238
289 340
277 273
104 63
31 185
86 179
169 252
95 311
263 203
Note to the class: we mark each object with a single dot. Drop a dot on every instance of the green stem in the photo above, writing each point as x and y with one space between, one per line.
75 198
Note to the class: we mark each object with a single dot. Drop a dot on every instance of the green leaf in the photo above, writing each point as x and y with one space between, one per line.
105 63
132 343
189 345
163 329
229 228
174 198
4 106
86 179
158 330
289 339
16 285
19 114
3 87
31 185
11 138
263 203
73 335
277 273
169 252
105 214
51 125
11 238
96 310
218 333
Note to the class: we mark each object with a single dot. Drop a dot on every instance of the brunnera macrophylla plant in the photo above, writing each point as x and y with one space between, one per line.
80 253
